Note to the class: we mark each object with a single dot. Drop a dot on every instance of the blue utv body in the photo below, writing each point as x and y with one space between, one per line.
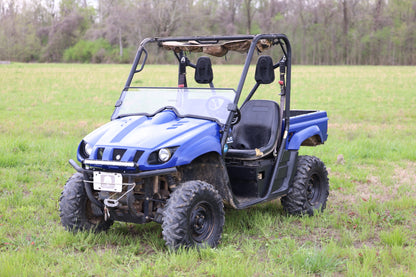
189 138
176 155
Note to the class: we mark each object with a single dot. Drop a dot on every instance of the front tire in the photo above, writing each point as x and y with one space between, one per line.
77 211
310 188
193 216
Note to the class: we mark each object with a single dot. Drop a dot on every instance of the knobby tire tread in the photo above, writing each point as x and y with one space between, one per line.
296 202
176 214
73 207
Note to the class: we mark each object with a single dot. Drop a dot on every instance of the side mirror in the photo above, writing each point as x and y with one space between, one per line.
203 71
264 70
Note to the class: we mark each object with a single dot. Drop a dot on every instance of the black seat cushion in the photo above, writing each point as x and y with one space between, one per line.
256 134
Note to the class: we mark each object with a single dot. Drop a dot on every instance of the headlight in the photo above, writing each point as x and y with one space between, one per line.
164 155
88 149
85 150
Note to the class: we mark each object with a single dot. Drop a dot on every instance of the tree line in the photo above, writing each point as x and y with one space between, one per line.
109 31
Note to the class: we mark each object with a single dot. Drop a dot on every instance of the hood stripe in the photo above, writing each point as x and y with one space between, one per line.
128 129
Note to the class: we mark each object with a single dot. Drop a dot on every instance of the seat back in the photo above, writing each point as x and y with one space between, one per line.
256 134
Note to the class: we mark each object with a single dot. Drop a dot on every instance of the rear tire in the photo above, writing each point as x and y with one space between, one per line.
77 211
193 216
310 188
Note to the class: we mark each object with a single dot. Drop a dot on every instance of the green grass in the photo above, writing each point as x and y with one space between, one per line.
366 230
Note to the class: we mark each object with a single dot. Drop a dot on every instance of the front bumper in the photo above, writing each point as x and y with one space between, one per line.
114 213
142 174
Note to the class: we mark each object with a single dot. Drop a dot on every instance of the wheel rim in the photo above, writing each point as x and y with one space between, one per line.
314 189
202 222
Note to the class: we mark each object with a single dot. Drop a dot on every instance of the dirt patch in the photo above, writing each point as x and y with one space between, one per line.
407 175
405 180
404 183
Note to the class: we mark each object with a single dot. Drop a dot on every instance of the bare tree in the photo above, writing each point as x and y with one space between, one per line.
165 16
321 31
345 27
249 13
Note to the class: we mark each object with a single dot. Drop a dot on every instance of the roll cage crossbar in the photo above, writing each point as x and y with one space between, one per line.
240 43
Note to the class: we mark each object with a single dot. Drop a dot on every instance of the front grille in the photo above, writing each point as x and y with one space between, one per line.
118 154
137 155
100 152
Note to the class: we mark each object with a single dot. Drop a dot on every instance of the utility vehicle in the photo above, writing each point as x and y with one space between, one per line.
177 154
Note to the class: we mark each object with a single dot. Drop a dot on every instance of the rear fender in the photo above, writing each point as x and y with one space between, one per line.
296 140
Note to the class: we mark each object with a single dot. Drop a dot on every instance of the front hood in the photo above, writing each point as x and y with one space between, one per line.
148 134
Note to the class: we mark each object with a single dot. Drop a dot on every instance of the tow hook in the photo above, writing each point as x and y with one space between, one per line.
106 213
112 203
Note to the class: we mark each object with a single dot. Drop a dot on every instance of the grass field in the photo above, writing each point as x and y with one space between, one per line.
368 228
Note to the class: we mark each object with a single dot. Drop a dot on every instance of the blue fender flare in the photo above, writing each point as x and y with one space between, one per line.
198 148
296 140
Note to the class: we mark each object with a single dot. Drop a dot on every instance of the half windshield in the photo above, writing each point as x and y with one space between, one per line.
194 102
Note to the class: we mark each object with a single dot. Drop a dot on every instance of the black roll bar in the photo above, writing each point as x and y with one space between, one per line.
280 39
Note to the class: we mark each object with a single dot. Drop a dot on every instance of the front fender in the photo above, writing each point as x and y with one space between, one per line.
198 148
296 140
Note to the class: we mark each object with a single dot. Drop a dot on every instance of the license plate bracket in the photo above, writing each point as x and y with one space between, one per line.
108 181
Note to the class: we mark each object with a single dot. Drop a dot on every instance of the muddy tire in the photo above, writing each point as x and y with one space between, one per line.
310 188
193 216
77 211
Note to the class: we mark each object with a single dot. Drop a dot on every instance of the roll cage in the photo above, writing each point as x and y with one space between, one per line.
219 46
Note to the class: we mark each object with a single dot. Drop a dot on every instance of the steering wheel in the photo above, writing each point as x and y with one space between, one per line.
217 106
237 117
